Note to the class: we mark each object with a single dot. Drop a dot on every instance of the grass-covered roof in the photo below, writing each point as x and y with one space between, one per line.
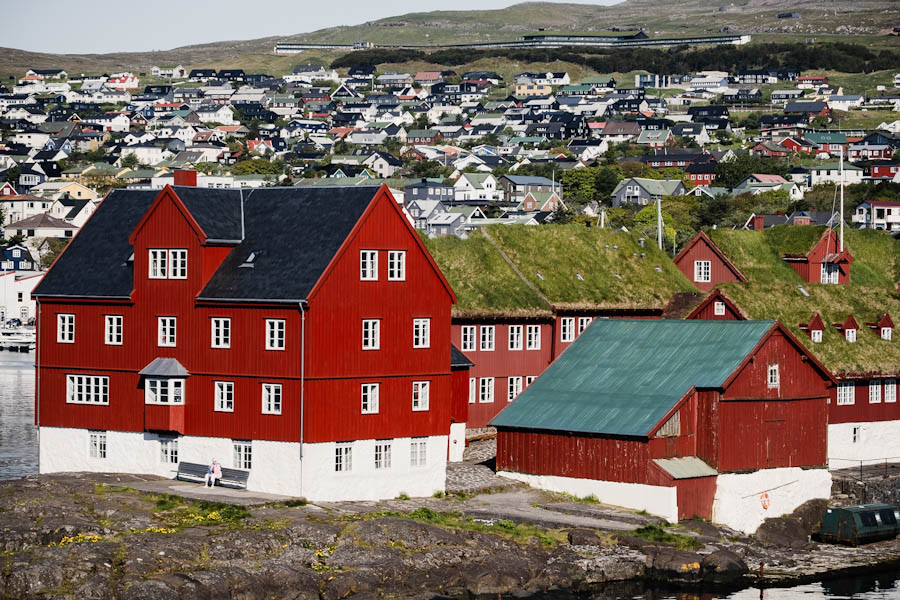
772 291
571 266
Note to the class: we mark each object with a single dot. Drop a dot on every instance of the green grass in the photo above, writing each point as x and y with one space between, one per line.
655 533
587 267
516 531
483 282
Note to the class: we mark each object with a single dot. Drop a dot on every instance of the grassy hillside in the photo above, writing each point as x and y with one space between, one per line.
864 22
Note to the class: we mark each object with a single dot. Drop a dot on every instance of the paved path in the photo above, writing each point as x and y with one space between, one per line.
198 491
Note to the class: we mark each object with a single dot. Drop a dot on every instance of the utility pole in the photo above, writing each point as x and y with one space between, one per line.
659 222
842 200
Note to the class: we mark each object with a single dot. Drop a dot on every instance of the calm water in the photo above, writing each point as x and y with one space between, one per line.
19 457
18 436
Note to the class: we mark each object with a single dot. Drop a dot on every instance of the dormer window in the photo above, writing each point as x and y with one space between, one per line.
887 333
850 335
816 335
168 264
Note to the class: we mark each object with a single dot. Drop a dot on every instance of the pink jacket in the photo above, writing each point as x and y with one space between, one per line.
216 470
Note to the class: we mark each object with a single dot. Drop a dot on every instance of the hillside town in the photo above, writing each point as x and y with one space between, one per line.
343 275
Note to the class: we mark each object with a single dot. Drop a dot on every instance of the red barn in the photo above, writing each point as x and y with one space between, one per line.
678 418
301 334
703 263
824 263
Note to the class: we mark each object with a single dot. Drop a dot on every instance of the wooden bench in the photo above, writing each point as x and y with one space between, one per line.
233 478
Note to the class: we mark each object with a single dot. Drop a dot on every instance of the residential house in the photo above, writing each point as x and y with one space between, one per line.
517 187
878 214
16 257
705 265
478 189
641 191
831 172
188 400
16 301
40 226
826 262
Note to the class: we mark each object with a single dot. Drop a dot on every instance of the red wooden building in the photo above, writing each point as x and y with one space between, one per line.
732 409
824 263
302 334
705 265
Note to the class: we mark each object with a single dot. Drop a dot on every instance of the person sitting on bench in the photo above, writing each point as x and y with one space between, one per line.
213 473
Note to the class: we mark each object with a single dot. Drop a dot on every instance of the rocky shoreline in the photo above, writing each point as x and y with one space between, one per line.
106 536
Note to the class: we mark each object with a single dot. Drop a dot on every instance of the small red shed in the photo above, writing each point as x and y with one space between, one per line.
824 263
705 265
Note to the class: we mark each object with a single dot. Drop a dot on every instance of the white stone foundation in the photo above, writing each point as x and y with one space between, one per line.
875 441
656 500
276 466
738 503
457 442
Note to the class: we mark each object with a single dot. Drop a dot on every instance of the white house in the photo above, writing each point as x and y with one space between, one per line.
477 186
830 172
210 113
15 294
40 226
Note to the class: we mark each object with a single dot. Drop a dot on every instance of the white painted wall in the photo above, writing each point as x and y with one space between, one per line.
738 504
276 465
12 284
457 442
656 500
363 482
876 440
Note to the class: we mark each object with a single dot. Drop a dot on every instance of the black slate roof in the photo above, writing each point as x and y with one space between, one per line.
95 263
459 360
292 232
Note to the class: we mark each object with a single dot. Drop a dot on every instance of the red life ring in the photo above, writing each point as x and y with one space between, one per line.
764 500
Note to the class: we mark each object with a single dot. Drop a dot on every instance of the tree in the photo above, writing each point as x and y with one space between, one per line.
730 173
12 175
258 166
714 211
561 216
130 161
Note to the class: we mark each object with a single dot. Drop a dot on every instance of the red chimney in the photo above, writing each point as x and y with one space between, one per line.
186 177
759 222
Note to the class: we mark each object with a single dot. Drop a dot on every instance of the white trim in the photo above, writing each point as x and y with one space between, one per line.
487 338
515 337
533 340
368 265
368 398
467 339
702 271
164 391
371 334
486 390
846 393
223 396
275 334
719 308
397 265
421 390
87 389
166 332
272 398
65 328
113 329
567 329
422 333
220 332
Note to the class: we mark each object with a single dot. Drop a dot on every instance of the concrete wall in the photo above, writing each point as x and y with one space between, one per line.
276 465
738 502
875 441
457 442
656 500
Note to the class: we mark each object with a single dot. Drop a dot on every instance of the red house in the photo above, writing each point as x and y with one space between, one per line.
797 145
824 263
703 263
732 410
262 328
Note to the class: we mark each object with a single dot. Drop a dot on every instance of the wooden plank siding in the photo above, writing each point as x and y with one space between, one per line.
863 411
701 248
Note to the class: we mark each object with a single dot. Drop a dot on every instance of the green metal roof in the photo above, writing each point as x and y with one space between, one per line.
622 376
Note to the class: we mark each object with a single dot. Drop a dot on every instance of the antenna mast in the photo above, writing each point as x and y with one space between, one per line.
659 222
842 200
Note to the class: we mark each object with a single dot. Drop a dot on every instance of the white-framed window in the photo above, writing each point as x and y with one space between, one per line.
890 390
65 328
421 333
702 269
850 335
515 337
529 379
224 395
487 338
168 263
719 308
159 264
165 331
533 337
887 333
168 451
368 265
846 391
467 338
220 332
514 387
368 393
816 335
275 334
567 329
178 264
163 390
397 265
486 390
271 398
343 457
874 391
420 393
772 378
382 455
97 444
243 454
87 389
418 449
112 330
473 390
829 273
583 323
371 334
